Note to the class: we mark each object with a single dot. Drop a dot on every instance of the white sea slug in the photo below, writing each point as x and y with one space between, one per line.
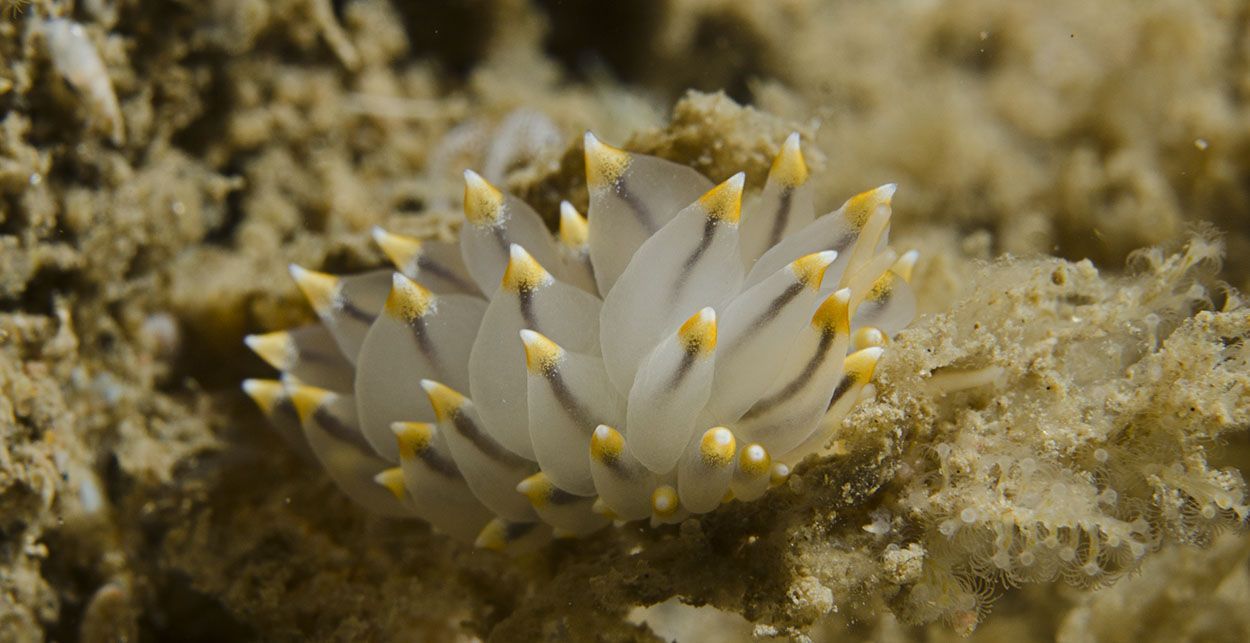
674 351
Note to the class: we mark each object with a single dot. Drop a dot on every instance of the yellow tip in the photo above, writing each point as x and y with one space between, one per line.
698 334
606 444
494 535
413 437
724 202
779 474
716 448
574 229
393 480
307 399
867 336
834 315
523 271
402 250
277 349
789 169
483 202
664 501
905 264
883 287
266 393
861 364
858 208
605 165
408 300
810 269
754 461
537 488
601 508
541 354
445 400
319 288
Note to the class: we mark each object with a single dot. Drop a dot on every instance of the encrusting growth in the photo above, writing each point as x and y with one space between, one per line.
477 387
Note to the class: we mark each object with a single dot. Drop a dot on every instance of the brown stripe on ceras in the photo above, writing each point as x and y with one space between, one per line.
571 405
844 241
763 406
356 312
466 427
428 265
782 217
426 345
287 408
514 531
525 298
641 212
319 357
775 306
618 466
559 496
843 386
340 431
440 465
841 243
705 242
500 238
688 357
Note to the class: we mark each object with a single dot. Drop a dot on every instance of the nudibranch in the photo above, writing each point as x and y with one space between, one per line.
672 351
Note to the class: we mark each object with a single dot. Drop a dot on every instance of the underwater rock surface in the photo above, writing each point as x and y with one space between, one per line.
1048 426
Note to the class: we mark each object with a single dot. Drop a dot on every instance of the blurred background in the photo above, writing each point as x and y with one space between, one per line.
161 161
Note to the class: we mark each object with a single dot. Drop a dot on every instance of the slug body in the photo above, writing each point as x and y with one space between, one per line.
670 352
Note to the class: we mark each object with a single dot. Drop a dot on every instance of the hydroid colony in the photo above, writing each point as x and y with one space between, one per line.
674 350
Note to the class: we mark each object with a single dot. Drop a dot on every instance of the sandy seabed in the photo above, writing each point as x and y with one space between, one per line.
1075 174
